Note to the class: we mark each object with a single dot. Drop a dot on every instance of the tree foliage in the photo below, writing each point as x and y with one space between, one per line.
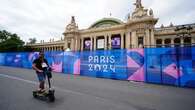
11 42
32 40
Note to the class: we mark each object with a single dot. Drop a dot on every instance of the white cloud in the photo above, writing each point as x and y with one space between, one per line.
45 19
176 11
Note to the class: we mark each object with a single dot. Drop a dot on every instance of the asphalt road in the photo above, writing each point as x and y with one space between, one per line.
85 93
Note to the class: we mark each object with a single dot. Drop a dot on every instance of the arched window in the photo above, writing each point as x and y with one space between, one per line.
187 41
159 43
167 42
177 42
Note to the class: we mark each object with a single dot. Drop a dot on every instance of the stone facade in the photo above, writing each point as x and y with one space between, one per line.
109 33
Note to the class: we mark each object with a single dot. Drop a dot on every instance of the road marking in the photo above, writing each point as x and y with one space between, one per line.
17 78
56 88
68 91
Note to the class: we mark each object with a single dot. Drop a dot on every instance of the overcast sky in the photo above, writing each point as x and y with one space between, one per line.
45 19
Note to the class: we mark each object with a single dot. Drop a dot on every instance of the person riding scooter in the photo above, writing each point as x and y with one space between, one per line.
39 66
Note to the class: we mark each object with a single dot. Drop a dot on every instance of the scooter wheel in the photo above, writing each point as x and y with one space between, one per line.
34 94
52 98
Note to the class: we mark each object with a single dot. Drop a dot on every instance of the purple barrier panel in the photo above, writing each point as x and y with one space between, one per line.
135 64
55 60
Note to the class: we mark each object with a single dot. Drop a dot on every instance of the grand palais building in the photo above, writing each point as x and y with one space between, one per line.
110 33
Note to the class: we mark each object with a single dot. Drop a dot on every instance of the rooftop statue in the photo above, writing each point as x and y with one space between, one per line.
138 4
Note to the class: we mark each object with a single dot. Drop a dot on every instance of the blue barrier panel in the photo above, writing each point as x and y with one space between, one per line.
161 66
187 65
170 69
2 59
172 66
104 64
13 59
28 58
153 69
71 63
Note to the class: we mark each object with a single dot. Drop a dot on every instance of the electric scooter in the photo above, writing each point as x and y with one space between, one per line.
48 95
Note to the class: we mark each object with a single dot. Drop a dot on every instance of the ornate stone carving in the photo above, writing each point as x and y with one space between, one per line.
162 26
72 26
171 24
139 11
151 12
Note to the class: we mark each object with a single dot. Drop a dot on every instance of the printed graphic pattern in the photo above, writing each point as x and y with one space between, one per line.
169 66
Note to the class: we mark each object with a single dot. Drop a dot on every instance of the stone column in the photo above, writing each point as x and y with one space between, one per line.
82 44
65 44
127 40
76 44
182 42
109 42
91 43
72 44
172 42
193 40
152 37
163 42
134 40
147 37
105 42
122 41
94 46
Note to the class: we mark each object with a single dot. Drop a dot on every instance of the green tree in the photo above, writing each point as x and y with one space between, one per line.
10 42
32 40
